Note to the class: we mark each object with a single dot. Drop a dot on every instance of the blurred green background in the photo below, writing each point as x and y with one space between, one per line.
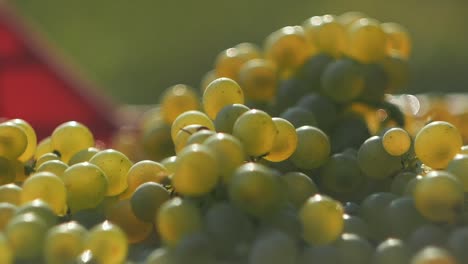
135 49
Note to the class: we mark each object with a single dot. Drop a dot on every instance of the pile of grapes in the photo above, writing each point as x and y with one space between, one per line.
292 155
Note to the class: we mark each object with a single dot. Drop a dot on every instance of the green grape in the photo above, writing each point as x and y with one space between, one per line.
299 116
182 136
31 139
434 255
176 100
228 151
403 217
258 80
83 155
7 211
107 243
427 235
199 137
195 249
10 193
396 141
170 163
356 225
439 196
64 242
46 157
144 171
376 82
326 34
437 143
288 49
392 251
197 171
299 187
177 218
44 146
220 93
49 188
458 166
398 72
13 140
192 117
160 255
285 141
342 80
229 62
71 137
121 214
409 188
157 142
256 189
367 41
375 162
456 243
89 217
373 213
147 199
6 252
313 148
56 167
400 181
398 39
322 219
40 209
25 234
324 110
115 166
227 116
320 254
273 248
7 171
354 249
86 186
286 220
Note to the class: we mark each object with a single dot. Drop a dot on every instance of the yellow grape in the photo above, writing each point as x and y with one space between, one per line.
144 171
83 155
6 253
459 168
13 140
226 118
46 157
197 171
7 171
367 41
348 18
398 72
10 193
207 79
396 141
176 100
256 131
313 148
170 163
182 136
115 166
47 187
44 146
176 219
437 143
285 141
71 137
57 167
258 80
229 61
7 211
31 138
199 137
108 243
86 186
64 242
192 117
398 39
220 93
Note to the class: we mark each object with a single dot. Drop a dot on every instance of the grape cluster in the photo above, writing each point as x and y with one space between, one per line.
291 155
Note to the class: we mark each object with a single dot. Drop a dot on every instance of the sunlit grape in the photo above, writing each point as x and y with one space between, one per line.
63 243
13 140
31 138
177 99
108 243
220 93
313 148
396 141
71 137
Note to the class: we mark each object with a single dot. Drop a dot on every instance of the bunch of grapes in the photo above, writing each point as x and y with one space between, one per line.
290 155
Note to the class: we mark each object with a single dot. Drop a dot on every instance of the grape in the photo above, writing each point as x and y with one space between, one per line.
107 243
227 116
320 254
177 99
257 132
220 93
10 193
367 41
6 254
403 217
439 196
398 72
313 148
299 187
289 92
56 167
13 140
326 34
256 189
170 163
348 18
86 186
430 255
299 117
182 136
392 251
322 219
160 255
459 168
285 141
342 80
258 80
22 171
376 82
31 139
352 208
375 162
7 171
71 137
199 137
144 171
46 157
456 243
25 234
373 210
63 243
157 142
147 199
40 209
207 78
350 131
7 211
195 248
89 217
398 39
322 107
115 166
83 156
355 225
197 171
230 61
427 235
396 141
47 187
410 185
400 181
286 220
44 146
176 219
121 214
190 118
273 248
353 249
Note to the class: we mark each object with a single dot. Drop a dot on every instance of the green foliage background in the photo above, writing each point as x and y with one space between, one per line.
134 49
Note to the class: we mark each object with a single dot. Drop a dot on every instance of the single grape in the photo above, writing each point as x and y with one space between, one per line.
107 243
190 118
44 146
229 62
10 193
313 148
258 80
354 249
63 243
227 116
400 181
273 248
30 136
46 157
182 136
402 217
458 166
356 225
71 137
367 41
13 140
342 80
83 155
396 141
373 210
220 93
147 199
142 172
375 162
56 167
299 187
433 255
176 100
398 39
392 251
299 116
199 137
41 209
